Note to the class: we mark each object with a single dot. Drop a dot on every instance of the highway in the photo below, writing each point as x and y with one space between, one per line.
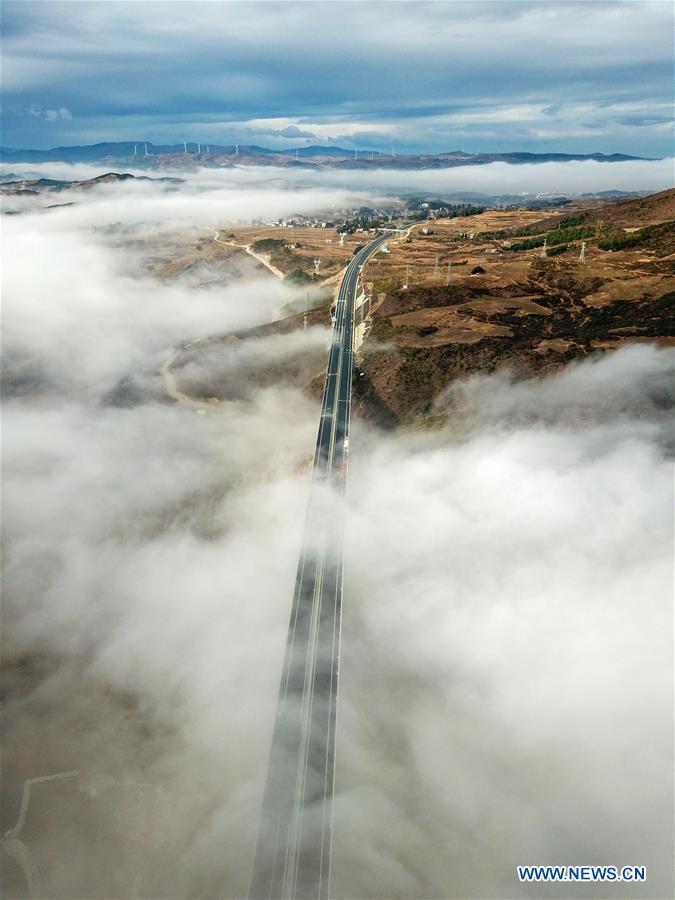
293 851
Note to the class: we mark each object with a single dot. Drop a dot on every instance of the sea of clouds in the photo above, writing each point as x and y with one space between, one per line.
498 178
507 642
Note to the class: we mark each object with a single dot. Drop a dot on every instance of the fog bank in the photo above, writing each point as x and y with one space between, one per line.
506 662
508 655
498 178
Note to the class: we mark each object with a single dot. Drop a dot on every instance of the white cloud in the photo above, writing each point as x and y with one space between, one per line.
507 660
145 515
332 130
51 115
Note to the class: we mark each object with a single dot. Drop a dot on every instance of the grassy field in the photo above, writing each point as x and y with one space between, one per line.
295 249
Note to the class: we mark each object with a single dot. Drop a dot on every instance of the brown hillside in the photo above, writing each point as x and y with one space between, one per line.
522 308
645 211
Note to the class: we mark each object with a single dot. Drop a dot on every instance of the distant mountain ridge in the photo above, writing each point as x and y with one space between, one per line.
145 154
23 187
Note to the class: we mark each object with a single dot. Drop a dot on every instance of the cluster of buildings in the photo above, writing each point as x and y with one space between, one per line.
340 219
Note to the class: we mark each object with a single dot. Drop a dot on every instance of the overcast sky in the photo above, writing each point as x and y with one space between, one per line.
478 76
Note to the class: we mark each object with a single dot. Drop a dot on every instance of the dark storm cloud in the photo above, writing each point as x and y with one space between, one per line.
340 71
